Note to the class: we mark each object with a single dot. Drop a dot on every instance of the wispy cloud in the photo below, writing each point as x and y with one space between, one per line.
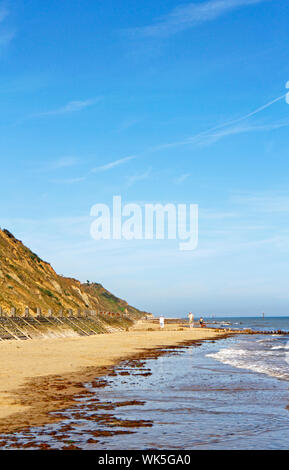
113 164
69 180
265 202
6 38
227 128
209 214
64 162
240 129
131 180
67 162
6 35
182 178
127 124
4 12
187 16
71 107
53 166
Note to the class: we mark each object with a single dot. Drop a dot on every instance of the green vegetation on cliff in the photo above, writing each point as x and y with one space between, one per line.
27 280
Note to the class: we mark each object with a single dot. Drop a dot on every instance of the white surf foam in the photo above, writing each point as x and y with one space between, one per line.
252 360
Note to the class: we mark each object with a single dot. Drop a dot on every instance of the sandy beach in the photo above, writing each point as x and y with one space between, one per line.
40 376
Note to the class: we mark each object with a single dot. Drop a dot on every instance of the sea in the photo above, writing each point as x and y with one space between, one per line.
230 393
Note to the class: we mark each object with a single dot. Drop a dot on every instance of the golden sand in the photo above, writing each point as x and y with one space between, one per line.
38 376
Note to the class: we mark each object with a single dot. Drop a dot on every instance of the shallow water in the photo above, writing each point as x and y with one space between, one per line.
225 394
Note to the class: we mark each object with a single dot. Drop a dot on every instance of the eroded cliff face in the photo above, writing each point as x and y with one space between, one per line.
27 280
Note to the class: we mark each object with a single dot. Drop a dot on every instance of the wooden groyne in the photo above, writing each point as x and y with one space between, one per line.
16 325
248 331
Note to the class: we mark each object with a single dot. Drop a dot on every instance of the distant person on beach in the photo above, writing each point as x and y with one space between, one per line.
162 322
191 319
202 322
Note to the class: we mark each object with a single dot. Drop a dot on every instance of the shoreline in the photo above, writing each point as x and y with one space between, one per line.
41 376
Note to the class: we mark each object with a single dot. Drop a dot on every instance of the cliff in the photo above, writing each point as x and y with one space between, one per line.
27 280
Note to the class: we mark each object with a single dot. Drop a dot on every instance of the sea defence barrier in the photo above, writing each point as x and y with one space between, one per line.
30 324
36 323
246 331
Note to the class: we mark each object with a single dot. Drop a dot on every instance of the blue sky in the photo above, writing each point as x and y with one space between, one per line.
180 102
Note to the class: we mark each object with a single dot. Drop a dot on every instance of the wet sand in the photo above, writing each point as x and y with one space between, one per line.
41 376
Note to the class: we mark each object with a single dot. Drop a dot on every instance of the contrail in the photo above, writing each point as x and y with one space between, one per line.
220 126
242 118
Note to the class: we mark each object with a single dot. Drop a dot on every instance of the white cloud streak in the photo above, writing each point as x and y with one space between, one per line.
3 13
113 164
64 162
69 180
222 130
241 129
265 202
187 16
138 177
6 35
182 178
71 107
